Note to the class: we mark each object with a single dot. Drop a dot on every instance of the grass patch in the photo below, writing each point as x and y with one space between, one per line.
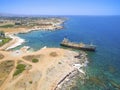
35 60
19 69
7 26
4 41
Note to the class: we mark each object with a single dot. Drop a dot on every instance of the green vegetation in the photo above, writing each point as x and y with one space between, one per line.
2 34
19 69
35 60
4 41
20 66
3 38
7 26
59 63
30 82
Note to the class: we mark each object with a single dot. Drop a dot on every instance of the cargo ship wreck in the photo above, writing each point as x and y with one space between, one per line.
81 46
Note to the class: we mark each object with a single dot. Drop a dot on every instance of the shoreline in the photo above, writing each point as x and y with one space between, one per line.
17 41
69 68
77 70
69 72
61 67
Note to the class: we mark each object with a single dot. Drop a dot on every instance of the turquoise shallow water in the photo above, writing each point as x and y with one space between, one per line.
104 32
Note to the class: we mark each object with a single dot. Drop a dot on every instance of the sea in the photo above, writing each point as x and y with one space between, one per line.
103 70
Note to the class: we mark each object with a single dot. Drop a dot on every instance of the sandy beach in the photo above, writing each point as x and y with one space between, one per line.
26 25
16 41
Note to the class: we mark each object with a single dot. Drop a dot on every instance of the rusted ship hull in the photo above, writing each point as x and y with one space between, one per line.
86 48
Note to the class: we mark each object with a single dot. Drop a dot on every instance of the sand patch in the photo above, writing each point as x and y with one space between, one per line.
53 54
1 56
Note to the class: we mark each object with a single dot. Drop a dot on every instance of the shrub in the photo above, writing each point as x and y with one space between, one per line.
4 41
20 66
59 63
30 82
7 26
35 60
19 69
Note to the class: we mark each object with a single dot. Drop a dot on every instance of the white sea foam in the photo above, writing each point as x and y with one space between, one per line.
18 41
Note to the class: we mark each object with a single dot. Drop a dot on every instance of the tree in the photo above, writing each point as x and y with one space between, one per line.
2 34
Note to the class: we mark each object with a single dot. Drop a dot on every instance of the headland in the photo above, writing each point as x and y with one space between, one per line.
45 69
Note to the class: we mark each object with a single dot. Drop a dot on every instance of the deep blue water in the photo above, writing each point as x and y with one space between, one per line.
104 32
